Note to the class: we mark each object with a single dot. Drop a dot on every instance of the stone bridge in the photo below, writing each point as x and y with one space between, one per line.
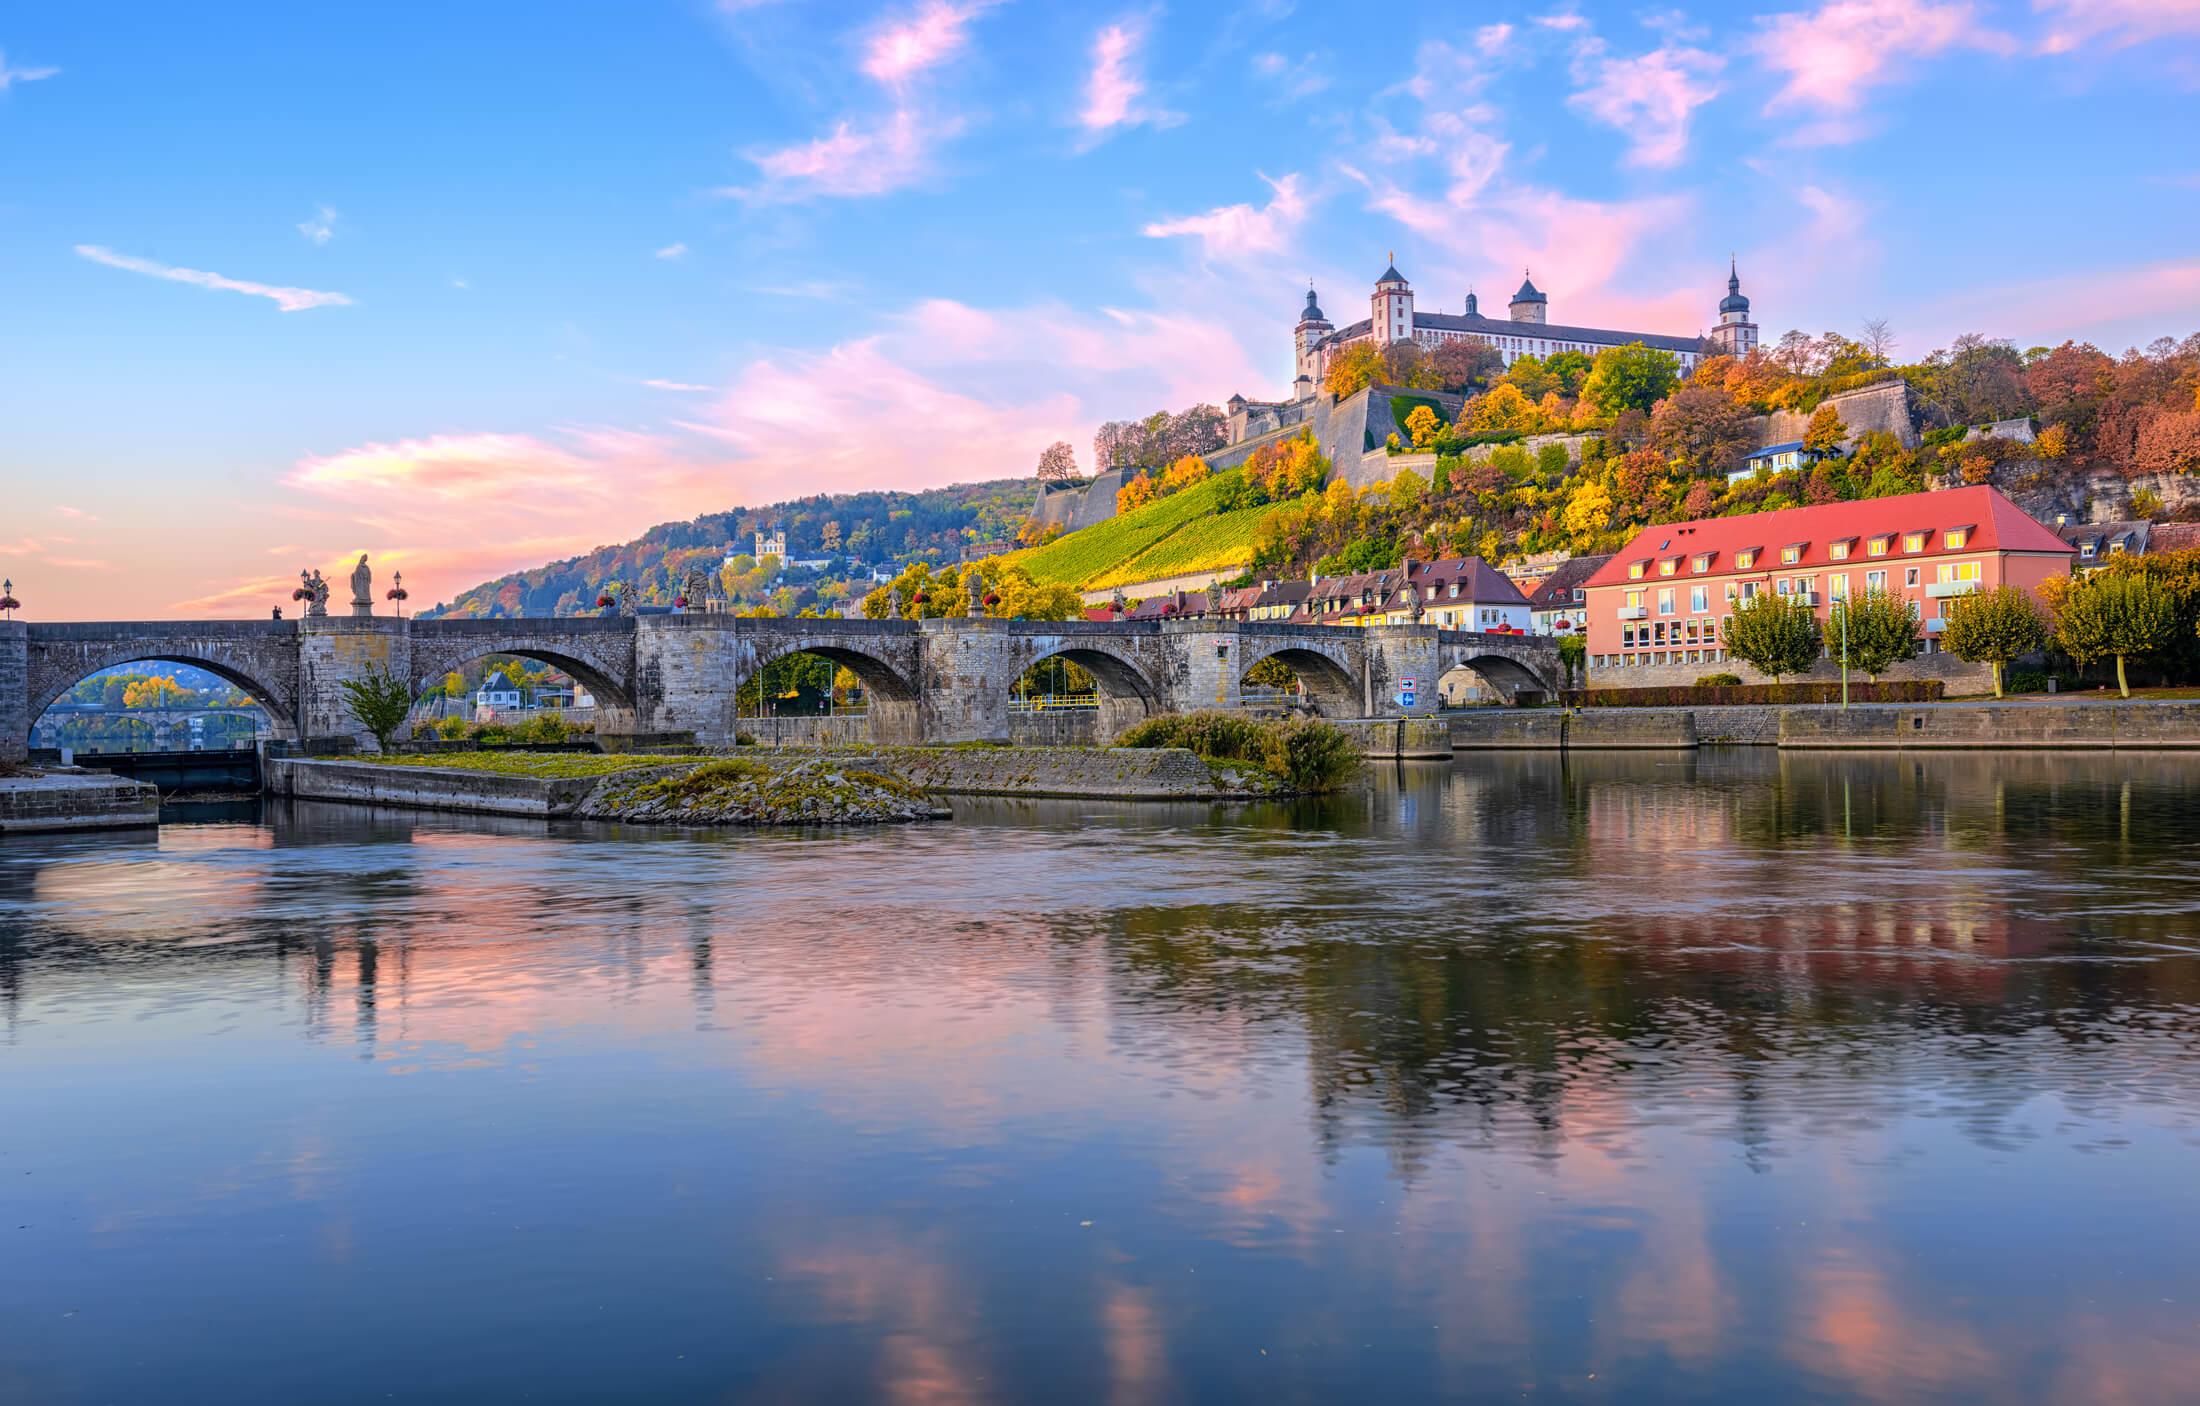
945 680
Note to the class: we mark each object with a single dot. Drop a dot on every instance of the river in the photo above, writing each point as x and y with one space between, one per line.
1739 1077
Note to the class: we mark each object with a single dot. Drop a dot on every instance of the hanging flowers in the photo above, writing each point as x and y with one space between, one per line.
606 599
679 602
992 598
8 602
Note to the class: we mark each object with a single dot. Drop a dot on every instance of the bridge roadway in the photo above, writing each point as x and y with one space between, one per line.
945 680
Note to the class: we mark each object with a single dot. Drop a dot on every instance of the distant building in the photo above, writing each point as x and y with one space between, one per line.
1777 458
1559 604
1662 599
771 544
1465 593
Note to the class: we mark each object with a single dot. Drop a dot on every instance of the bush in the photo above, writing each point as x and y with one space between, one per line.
2027 681
1720 681
1303 753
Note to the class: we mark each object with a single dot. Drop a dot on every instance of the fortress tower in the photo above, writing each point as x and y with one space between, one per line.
1392 306
1735 335
1312 329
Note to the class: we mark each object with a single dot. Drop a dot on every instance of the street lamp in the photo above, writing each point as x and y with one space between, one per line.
8 603
397 593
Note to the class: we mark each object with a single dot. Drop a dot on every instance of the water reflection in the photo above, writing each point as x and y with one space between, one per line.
1737 1076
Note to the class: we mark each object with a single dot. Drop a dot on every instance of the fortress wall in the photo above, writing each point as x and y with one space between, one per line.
1884 407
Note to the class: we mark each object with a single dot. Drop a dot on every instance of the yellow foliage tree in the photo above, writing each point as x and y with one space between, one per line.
1183 474
1589 510
151 693
1422 424
1137 493
1506 410
1355 367
2053 443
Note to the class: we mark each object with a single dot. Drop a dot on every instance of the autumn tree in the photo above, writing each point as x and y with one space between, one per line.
2128 617
1632 377
1057 462
1407 364
1994 627
1463 366
1881 631
2168 444
1422 424
1825 432
1702 430
1353 369
1504 411
1773 634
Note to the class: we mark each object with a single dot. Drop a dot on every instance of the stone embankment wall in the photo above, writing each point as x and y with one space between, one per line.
69 800
1067 727
1960 677
2062 725
425 787
1130 773
1402 739
1590 729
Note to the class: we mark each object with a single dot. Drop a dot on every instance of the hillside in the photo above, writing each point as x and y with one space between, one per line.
866 528
1187 531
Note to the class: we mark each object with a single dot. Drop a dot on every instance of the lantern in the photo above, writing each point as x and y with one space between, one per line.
8 602
397 592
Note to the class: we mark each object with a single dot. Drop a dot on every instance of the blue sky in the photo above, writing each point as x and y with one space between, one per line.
472 286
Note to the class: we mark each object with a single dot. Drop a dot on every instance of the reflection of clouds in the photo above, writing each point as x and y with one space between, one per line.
1137 1362
927 1325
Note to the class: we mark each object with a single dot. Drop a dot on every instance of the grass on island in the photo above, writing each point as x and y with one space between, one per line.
545 766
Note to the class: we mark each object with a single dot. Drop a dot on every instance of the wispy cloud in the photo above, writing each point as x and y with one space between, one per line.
674 386
9 77
1650 97
76 563
288 299
673 251
1116 85
2120 23
322 227
66 511
1835 55
929 37
1235 231
853 161
1296 80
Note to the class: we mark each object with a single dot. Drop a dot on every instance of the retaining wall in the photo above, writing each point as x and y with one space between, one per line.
75 801
1128 773
1589 728
426 788
2061 725
1407 739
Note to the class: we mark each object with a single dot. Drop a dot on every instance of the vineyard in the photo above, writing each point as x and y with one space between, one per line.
1185 532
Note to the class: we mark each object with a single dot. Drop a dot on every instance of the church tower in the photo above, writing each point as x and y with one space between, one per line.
1735 335
1392 307
1529 304
1307 335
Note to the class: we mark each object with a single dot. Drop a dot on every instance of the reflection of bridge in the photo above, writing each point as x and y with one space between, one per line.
942 680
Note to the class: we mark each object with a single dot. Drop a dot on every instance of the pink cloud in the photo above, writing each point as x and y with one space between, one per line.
929 38
288 299
1113 90
1835 54
66 511
2121 23
1234 231
1650 97
853 161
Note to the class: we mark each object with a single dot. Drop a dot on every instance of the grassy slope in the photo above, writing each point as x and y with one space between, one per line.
1122 548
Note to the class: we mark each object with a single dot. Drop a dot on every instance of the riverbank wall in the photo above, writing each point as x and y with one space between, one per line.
2080 726
75 800
1589 729
1127 773
426 787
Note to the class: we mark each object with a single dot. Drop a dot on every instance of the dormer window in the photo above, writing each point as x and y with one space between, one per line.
1701 563
2085 549
1958 538
1877 547
1791 553
1914 541
1634 570
1745 560
1668 566
1839 551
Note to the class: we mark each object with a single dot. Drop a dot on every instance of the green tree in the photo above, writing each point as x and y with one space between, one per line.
379 700
1881 631
2125 616
1773 634
1573 654
1632 377
1994 627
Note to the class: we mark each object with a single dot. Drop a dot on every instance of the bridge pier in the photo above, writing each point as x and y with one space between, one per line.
15 701
333 649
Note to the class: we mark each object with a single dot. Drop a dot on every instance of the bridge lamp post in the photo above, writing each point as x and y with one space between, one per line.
398 593
8 603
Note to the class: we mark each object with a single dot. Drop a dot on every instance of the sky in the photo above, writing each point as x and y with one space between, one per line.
472 287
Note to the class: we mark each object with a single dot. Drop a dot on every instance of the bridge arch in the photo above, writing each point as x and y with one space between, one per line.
597 653
1327 670
56 670
1507 676
890 694
1125 693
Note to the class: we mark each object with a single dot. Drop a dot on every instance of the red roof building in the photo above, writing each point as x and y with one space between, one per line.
1660 599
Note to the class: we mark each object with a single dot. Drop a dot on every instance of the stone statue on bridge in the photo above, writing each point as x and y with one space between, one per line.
1214 599
692 589
893 602
1413 598
362 589
315 592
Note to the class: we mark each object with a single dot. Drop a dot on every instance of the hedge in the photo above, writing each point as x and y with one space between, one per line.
1690 696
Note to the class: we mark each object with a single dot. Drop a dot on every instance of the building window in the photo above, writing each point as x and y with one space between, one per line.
1791 555
1913 541
1958 571
1580 595
1627 636
1957 536
1665 601
1877 546
1749 590
1634 600
2085 550
1839 551
1699 599
1732 591
1875 580
1745 560
1668 566
1837 587
1909 576
1702 562
1634 571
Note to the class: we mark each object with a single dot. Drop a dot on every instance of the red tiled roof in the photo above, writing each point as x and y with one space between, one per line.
2000 526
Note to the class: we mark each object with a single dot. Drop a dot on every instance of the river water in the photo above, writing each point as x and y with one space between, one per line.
1742 1078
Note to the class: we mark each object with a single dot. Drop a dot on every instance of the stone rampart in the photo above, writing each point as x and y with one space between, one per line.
1883 407
2084 726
